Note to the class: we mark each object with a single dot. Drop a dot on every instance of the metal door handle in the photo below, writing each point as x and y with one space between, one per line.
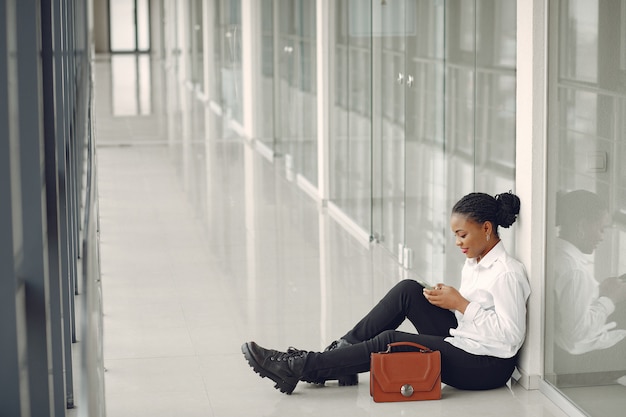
409 81
400 78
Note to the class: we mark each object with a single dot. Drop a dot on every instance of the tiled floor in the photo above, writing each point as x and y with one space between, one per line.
205 245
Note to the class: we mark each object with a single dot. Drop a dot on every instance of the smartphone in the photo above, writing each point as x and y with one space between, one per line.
425 285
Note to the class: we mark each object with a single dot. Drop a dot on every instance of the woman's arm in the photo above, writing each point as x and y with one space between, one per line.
447 297
498 313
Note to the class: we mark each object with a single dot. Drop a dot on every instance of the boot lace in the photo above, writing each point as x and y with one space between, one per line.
332 346
292 353
336 344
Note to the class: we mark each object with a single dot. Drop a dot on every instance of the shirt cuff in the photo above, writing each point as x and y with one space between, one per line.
470 311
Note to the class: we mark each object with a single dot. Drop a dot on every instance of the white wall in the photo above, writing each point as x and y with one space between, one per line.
530 173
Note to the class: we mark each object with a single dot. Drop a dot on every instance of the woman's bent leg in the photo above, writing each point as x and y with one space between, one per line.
404 301
467 371
349 360
459 369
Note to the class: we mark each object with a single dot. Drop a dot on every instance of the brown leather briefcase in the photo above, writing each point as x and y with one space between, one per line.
405 376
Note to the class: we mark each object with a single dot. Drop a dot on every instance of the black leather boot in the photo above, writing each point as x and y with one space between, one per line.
284 368
345 380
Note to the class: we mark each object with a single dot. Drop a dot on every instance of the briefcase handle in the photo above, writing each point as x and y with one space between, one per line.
421 348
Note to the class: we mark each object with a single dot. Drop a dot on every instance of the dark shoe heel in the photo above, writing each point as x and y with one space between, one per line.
343 381
348 380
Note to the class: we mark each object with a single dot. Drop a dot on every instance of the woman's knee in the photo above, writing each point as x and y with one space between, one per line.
379 342
409 286
410 292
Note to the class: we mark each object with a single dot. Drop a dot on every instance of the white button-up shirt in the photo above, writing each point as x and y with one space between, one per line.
494 322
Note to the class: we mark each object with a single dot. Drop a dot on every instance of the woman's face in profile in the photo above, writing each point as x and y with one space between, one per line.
470 236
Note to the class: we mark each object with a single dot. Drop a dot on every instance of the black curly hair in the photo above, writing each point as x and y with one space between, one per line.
501 210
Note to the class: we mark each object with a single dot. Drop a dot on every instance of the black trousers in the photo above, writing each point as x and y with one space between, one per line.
377 329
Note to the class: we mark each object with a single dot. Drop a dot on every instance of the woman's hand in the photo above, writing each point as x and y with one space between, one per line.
446 297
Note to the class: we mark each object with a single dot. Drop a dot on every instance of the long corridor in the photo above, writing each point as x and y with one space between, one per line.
205 244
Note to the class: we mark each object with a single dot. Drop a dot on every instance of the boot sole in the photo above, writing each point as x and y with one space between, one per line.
348 380
343 381
283 385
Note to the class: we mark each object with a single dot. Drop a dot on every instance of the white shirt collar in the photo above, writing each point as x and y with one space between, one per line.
493 255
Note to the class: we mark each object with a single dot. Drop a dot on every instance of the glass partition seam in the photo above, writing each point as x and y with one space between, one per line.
475 89
373 235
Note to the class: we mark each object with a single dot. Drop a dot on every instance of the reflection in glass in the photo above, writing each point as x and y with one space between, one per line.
583 302
391 84
426 209
297 78
585 313
480 101
350 143
228 23
197 44
424 112
265 107
582 27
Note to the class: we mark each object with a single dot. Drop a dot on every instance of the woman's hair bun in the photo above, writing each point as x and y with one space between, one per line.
501 210
508 208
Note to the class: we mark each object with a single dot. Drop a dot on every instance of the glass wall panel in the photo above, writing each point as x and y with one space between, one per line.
436 105
426 219
460 94
129 25
351 156
196 44
585 310
122 18
143 25
297 121
227 15
170 34
214 49
131 85
266 88
494 126
390 84
480 105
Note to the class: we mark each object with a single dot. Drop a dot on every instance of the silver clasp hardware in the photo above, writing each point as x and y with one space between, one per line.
406 390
